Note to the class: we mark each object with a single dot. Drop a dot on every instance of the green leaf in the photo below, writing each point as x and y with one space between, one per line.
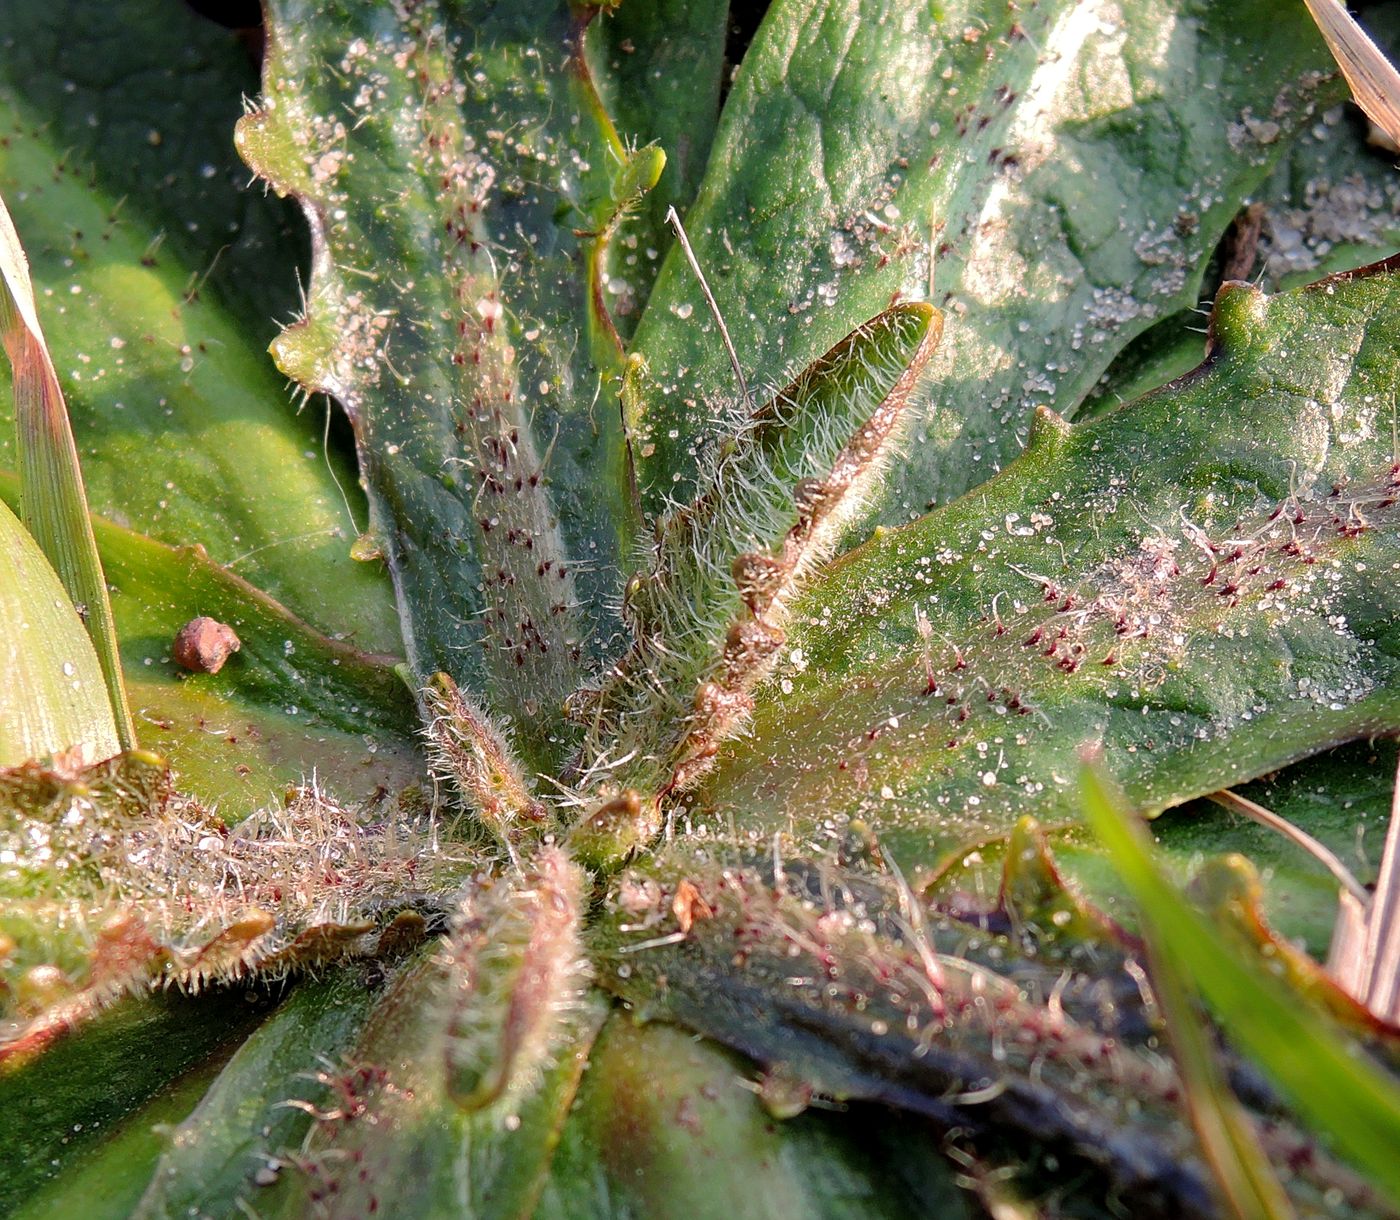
347 689
670 1126
1203 581
289 702
161 301
53 698
245 1129
1325 1076
107 1181
660 68
56 1108
464 182
515 976
159 279
475 211
1331 203
1073 167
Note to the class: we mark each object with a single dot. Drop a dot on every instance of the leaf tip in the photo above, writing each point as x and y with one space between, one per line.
1048 429
1239 311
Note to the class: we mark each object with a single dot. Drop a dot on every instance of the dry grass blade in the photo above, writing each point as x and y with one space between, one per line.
1375 84
1383 931
1365 954
674 221
1267 818
53 502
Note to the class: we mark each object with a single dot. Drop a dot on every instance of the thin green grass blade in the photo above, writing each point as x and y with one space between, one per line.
1332 1086
1244 1180
53 503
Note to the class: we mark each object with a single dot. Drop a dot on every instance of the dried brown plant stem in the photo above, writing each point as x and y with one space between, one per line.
1322 854
1375 84
1364 957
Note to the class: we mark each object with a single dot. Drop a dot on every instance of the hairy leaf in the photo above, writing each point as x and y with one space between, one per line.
246 1130
464 183
709 601
398 1142
1203 581
1030 1020
113 884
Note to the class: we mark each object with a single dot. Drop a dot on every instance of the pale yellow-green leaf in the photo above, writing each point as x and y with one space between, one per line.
52 697
53 503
